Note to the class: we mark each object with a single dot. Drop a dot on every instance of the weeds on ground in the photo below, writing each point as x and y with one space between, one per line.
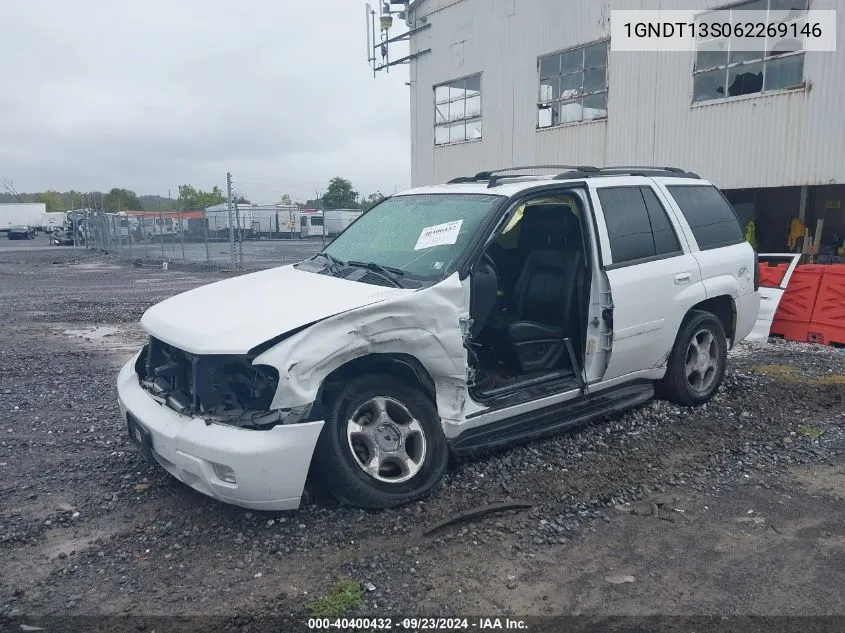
345 595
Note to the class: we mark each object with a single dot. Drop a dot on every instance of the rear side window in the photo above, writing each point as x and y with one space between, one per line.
637 225
710 216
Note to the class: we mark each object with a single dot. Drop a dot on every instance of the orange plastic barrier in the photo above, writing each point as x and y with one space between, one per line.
771 276
828 319
795 311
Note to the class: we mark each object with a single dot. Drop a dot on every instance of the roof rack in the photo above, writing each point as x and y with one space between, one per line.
629 170
494 176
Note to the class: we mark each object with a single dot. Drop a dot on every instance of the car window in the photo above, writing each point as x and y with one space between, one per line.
421 234
637 225
665 238
711 218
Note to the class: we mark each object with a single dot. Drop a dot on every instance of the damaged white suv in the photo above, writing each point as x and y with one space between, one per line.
490 310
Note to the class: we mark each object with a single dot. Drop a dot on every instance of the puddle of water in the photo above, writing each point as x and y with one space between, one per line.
93 333
93 266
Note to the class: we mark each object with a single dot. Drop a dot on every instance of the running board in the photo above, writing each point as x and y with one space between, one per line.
558 417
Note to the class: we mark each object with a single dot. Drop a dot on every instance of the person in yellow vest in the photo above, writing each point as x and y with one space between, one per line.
751 234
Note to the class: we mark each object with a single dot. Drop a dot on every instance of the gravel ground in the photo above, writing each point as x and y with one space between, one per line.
731 508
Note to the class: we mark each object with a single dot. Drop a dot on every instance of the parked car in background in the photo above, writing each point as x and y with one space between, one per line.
61 237
22 232
491 310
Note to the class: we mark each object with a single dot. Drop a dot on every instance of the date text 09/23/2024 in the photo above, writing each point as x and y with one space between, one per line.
417 624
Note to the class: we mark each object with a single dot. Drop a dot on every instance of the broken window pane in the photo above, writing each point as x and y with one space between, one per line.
473 129
712 54
457 132
707 86
570 85
571 61
441 94
441 113
456 90
473 107
785 72
571 112
786 10
441 134
595 56
595 80
787 45
549 66
549 89
595 106
472 85
745 80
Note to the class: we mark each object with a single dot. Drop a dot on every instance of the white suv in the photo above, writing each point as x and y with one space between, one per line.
490 310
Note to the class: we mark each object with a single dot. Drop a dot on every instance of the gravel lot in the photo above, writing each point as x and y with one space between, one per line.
735 508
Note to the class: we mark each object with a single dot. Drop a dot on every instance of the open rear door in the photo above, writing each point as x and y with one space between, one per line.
772 288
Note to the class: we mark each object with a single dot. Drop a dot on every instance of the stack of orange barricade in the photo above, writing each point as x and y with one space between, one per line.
813 306
828 322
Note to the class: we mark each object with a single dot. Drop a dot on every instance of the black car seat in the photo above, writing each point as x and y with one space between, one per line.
546 291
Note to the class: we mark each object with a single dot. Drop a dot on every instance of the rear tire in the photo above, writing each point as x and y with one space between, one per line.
382 444
697 362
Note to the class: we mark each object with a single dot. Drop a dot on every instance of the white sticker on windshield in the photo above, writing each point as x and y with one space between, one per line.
439 234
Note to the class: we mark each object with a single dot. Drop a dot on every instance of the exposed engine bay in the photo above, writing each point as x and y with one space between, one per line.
221 388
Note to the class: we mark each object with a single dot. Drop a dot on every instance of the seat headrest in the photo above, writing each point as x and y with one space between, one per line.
548 226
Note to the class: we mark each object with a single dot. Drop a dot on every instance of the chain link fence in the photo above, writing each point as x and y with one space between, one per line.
252 237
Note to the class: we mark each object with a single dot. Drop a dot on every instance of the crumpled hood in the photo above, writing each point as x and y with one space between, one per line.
234 315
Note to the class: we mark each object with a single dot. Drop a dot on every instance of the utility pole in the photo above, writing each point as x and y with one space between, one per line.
231 225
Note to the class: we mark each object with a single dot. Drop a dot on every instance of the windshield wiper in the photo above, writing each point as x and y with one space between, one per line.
334 262
388 272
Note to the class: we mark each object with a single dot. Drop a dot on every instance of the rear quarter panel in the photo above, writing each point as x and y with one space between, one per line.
725 271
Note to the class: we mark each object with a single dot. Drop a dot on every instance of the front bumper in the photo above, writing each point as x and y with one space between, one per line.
270 466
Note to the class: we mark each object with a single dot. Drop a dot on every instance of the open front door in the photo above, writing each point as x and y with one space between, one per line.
772 288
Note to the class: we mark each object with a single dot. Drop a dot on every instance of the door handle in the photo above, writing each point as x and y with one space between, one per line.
683 278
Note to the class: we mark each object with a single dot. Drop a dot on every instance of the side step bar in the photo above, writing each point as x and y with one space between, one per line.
566 415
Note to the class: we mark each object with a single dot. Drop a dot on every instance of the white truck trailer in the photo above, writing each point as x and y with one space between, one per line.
338 219
50 221
21 214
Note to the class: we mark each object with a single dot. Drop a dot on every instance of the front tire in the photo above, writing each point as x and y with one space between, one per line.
697 362
382 444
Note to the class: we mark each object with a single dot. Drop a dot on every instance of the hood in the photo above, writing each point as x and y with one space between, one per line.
234 315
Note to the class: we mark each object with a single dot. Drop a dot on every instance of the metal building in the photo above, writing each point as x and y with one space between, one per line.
499 83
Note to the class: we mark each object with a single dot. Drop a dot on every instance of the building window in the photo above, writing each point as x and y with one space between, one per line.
457 111
723 69
637 225
573 85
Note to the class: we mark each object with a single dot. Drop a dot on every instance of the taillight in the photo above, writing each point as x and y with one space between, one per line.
756 272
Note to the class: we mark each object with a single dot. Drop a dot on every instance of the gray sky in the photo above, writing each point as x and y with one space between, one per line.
150 95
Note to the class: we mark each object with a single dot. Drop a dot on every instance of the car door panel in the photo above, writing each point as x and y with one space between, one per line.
650 297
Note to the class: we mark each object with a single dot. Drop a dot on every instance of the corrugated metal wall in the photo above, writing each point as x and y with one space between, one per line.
792 138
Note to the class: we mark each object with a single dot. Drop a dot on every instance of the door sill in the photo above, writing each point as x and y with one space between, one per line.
557 417
525 390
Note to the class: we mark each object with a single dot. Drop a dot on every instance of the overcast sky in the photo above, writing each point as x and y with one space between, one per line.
149 95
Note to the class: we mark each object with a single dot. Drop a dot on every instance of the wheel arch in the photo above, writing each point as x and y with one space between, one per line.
405 367
723 307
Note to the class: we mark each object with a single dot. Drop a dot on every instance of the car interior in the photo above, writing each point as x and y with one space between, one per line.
529 299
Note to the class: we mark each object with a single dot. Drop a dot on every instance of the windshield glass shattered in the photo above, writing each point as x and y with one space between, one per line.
419 235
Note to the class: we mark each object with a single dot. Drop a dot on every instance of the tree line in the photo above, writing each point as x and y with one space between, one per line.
339 194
